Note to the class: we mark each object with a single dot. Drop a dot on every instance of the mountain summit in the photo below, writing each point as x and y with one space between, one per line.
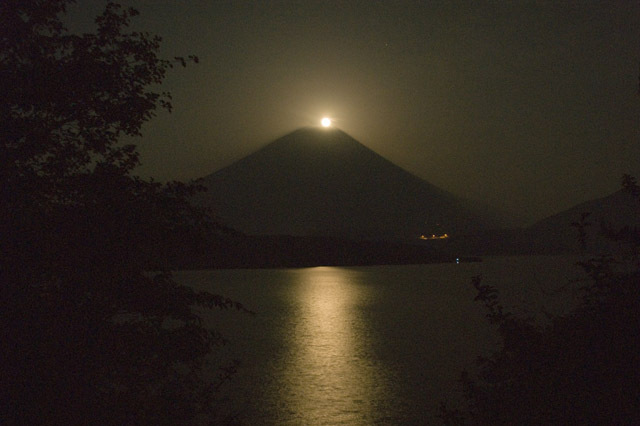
317 181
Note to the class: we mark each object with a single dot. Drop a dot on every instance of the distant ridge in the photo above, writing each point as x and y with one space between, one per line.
323 182
556 234
618 209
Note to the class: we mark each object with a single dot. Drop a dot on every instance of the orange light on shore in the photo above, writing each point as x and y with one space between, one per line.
434 237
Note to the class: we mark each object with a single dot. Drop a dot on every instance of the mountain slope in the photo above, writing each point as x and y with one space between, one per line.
617 210
323 182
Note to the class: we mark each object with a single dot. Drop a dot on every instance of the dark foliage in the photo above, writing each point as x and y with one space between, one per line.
579 368
89 335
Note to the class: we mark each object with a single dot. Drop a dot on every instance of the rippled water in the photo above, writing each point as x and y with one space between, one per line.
366 345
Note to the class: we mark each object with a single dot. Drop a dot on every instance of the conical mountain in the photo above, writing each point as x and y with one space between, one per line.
317 181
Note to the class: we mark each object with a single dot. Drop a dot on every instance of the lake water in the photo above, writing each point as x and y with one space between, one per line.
366 345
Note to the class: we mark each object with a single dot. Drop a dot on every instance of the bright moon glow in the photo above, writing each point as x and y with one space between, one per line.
326 122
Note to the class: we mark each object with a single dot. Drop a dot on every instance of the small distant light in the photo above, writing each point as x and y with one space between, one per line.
326 122
457 260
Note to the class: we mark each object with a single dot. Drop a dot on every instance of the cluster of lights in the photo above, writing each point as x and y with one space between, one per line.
434 237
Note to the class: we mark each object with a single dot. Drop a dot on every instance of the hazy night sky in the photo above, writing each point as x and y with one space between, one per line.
530 106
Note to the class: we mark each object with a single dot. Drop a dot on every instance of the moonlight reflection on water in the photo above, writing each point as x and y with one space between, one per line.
370 345
330 371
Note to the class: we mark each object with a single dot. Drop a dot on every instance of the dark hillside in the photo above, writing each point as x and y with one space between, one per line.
323 182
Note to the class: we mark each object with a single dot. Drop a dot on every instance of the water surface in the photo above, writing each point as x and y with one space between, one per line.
366 345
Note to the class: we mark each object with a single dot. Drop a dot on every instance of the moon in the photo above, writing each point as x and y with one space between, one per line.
326 122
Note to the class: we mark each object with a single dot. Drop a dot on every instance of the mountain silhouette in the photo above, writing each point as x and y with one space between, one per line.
322 182
618 209
614 211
